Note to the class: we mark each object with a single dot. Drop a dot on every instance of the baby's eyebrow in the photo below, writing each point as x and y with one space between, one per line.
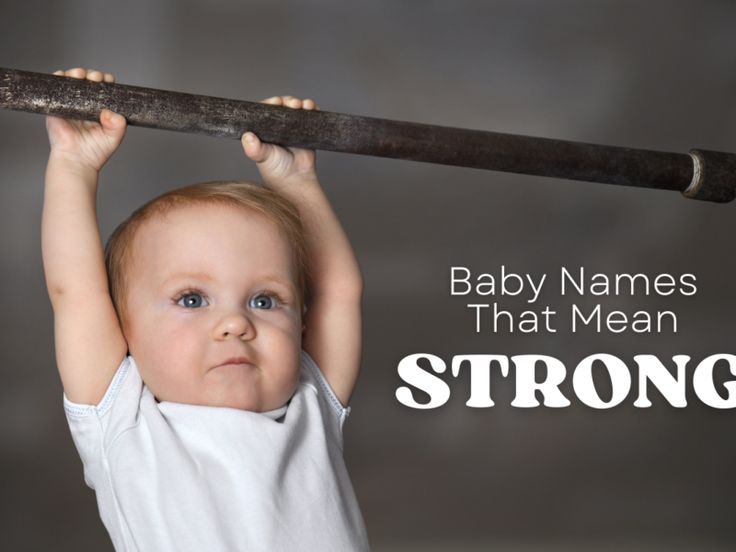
279 280
205 277
200 276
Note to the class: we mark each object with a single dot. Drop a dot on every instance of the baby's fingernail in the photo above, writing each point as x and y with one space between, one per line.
250 137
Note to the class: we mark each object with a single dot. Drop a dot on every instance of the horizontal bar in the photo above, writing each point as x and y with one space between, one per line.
339 132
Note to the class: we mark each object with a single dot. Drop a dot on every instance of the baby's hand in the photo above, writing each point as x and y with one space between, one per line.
277 164
86 144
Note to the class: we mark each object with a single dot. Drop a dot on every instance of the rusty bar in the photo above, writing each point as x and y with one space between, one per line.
168 110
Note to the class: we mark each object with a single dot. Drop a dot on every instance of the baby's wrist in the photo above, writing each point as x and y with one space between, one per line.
296 179
63 162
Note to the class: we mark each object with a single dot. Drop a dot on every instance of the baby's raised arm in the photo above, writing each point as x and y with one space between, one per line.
89 341
333 325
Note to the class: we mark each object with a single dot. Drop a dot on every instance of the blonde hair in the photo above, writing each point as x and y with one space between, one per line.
245 195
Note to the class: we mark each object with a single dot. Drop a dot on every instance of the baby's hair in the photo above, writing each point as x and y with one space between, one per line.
245 195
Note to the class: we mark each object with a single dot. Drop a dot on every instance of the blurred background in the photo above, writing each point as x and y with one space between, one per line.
654 75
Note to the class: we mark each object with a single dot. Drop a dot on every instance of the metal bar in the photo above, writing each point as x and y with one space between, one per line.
163 109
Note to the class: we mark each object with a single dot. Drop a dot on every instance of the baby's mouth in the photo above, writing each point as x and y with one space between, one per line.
235 361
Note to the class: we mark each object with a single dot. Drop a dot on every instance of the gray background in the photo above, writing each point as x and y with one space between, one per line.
656 75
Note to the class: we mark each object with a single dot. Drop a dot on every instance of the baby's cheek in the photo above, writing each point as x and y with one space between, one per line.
290 324
286 344
177 340
287 382
280 328
172 346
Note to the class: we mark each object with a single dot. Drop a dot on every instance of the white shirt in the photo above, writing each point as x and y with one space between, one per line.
179 477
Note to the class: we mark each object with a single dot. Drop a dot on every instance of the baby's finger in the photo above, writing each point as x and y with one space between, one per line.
76 73
95 75
310 104
291 101
109 77
52 120
253 147
113 124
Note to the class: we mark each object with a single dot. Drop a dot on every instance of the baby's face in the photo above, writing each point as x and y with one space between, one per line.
213 310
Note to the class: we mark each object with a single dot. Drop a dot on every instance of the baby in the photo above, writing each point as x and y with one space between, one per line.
208 354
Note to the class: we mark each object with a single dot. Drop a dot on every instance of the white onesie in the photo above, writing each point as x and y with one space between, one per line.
178 477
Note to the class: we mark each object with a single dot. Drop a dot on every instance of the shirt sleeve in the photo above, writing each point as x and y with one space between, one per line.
94 427
324 391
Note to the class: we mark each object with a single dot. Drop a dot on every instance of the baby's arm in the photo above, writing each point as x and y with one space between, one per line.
333 328
89 341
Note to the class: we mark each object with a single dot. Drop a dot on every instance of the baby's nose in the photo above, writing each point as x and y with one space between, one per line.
234 325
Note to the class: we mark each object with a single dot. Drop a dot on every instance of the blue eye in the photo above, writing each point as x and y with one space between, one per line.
262 301
192 300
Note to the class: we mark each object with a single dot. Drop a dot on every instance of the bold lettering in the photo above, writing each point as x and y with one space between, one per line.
413 374
480 376
703 382
582 380
526 383
672 388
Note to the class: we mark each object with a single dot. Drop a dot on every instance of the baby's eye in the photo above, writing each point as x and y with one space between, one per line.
192 300
262 301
